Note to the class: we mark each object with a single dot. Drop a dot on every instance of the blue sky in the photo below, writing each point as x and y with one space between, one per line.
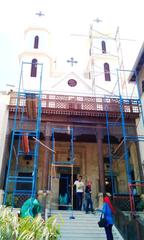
66 17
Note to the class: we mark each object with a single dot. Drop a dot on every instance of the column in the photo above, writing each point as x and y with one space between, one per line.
43 193
100 160
45 160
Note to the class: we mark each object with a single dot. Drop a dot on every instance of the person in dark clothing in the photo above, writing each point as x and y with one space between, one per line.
89 203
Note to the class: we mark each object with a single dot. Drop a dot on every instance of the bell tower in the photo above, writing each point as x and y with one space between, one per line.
103 60
37 50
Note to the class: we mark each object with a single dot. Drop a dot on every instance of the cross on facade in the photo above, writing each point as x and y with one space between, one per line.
40 14
97 20
71 61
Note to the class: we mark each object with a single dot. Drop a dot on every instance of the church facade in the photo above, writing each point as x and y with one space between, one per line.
68 123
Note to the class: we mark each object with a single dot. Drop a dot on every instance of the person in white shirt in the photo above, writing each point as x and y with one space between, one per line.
79 192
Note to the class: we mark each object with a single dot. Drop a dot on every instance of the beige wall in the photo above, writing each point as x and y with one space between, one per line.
86 158
86 164
140 121
4 100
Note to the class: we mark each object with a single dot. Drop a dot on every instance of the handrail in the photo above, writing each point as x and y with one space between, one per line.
130 227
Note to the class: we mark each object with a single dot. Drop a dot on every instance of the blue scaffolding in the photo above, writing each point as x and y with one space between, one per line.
23 147
127 138
71 149
69 163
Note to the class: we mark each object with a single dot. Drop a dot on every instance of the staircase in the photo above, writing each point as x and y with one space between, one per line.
82 227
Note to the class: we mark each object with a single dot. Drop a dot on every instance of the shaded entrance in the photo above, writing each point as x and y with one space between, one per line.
108 184
65 188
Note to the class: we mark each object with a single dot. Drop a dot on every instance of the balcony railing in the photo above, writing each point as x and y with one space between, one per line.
79 103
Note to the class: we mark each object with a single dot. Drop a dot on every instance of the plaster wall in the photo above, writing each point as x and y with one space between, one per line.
86 160
86 164
4 101
45 39
140 121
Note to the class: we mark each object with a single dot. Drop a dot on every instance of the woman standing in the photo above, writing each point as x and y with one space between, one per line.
108 211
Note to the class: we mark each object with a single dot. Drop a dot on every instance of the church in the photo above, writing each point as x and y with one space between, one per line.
62 123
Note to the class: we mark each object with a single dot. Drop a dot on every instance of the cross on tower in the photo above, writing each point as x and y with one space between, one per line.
72 61
40 14
97 20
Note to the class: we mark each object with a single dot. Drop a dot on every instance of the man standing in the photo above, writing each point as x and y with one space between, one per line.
89 203
79 192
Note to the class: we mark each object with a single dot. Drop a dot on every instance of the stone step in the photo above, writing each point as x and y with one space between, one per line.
78 221
82 227
82 238
77 214
86 236
85 233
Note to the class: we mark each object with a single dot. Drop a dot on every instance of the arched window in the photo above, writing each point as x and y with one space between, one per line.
103 44
107 72
34 68
36 41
